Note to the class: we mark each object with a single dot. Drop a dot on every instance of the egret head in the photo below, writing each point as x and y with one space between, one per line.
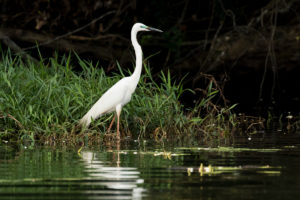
143 27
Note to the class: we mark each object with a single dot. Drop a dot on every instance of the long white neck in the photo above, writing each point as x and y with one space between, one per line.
138 57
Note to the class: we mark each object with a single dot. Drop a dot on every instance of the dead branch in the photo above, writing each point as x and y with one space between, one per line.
72 32
98 49
13 118
13 46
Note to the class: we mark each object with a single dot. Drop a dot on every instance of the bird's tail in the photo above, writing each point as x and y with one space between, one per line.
85 120
88 117
95 112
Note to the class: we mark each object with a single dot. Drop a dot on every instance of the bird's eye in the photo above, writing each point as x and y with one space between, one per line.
143 26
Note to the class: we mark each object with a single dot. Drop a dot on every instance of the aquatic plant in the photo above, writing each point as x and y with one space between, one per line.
46 99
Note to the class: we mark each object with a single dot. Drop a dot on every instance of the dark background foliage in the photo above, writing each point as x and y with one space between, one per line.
250 47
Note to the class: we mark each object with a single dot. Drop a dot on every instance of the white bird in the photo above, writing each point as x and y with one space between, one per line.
120 93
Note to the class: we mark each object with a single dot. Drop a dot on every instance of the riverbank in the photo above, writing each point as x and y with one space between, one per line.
45 100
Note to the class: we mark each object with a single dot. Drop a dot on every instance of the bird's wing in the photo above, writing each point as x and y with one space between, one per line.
107 102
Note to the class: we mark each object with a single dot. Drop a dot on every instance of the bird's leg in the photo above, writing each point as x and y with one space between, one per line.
118 110
118 127
111 123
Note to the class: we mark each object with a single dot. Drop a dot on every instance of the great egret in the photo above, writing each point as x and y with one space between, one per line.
120 93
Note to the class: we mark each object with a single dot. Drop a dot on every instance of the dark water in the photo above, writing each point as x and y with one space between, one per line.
146 171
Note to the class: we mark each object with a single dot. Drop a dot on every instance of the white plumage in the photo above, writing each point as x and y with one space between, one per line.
120 93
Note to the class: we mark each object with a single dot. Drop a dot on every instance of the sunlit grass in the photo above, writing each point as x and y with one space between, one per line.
46 99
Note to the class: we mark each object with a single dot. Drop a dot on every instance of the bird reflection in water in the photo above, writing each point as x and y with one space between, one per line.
105 169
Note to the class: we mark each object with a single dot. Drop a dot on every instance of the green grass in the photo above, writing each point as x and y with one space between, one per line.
46 99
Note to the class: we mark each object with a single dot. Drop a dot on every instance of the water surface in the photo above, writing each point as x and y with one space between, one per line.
251 169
